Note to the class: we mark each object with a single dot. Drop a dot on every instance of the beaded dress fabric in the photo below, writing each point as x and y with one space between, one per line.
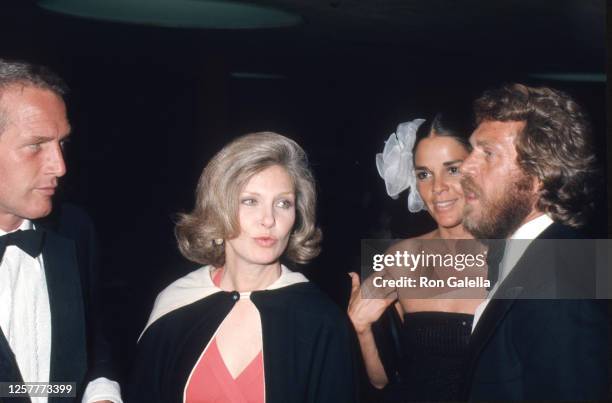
430 361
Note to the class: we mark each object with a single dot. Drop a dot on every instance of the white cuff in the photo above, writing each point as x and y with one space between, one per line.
102 389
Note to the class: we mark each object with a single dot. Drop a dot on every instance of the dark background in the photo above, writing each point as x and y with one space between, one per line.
150 105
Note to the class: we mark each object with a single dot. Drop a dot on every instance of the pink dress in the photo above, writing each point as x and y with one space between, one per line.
211 381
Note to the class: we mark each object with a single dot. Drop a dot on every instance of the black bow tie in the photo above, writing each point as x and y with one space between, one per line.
30 241
494 257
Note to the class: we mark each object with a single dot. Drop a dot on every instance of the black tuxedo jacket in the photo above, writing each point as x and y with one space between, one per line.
70 258
540 349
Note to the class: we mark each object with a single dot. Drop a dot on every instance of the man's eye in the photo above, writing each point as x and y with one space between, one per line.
248 202
454 170
34 147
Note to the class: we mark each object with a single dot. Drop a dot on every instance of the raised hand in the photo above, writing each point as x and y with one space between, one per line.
366 306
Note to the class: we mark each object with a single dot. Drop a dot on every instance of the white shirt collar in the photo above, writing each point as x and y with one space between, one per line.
513 252
25 225
532 229
519 241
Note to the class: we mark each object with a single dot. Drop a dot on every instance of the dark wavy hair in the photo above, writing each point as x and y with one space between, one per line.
446 124
554 146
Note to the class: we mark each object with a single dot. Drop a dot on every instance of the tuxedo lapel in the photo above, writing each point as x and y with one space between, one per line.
494 313
508 292
484 330
9 370
523 274
68 343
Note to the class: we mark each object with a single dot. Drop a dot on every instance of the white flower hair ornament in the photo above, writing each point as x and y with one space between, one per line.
395 164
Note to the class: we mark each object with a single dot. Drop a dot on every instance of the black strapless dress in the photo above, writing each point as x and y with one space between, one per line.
430 349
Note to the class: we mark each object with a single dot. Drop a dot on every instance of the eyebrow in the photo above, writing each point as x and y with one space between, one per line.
446 164
290 192
44 139
41 139
453 162
485 143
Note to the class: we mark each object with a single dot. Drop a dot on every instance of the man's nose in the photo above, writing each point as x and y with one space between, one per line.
55 161
468 166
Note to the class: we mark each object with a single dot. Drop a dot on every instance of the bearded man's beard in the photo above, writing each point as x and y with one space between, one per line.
501 217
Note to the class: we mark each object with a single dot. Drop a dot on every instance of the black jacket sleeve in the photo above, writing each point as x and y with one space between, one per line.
72 222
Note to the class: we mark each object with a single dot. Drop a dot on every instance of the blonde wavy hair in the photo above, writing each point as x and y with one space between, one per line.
215 215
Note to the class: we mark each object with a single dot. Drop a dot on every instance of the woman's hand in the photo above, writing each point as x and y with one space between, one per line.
365 311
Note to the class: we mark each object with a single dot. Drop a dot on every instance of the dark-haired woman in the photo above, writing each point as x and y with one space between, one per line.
431 334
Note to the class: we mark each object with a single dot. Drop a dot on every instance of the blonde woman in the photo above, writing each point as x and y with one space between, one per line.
244 328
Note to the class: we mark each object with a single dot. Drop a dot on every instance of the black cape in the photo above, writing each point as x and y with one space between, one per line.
307 354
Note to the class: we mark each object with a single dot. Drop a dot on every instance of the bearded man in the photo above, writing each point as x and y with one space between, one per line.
527 179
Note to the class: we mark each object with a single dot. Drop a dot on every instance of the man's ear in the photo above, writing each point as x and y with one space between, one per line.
537 184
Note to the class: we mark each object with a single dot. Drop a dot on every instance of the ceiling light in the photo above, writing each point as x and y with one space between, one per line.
205 14
578 77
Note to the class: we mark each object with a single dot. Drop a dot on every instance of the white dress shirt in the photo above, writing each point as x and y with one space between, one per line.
25 319
512 253
25 316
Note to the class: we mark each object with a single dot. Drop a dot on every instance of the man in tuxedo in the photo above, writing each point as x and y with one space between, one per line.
47 261
528 178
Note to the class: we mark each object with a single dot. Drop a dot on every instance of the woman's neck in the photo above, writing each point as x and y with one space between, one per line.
456 232
245 277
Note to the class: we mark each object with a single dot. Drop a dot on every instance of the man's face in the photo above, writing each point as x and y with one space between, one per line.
499 196
31 156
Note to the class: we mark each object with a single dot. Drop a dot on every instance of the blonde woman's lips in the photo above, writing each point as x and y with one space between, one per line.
265 241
